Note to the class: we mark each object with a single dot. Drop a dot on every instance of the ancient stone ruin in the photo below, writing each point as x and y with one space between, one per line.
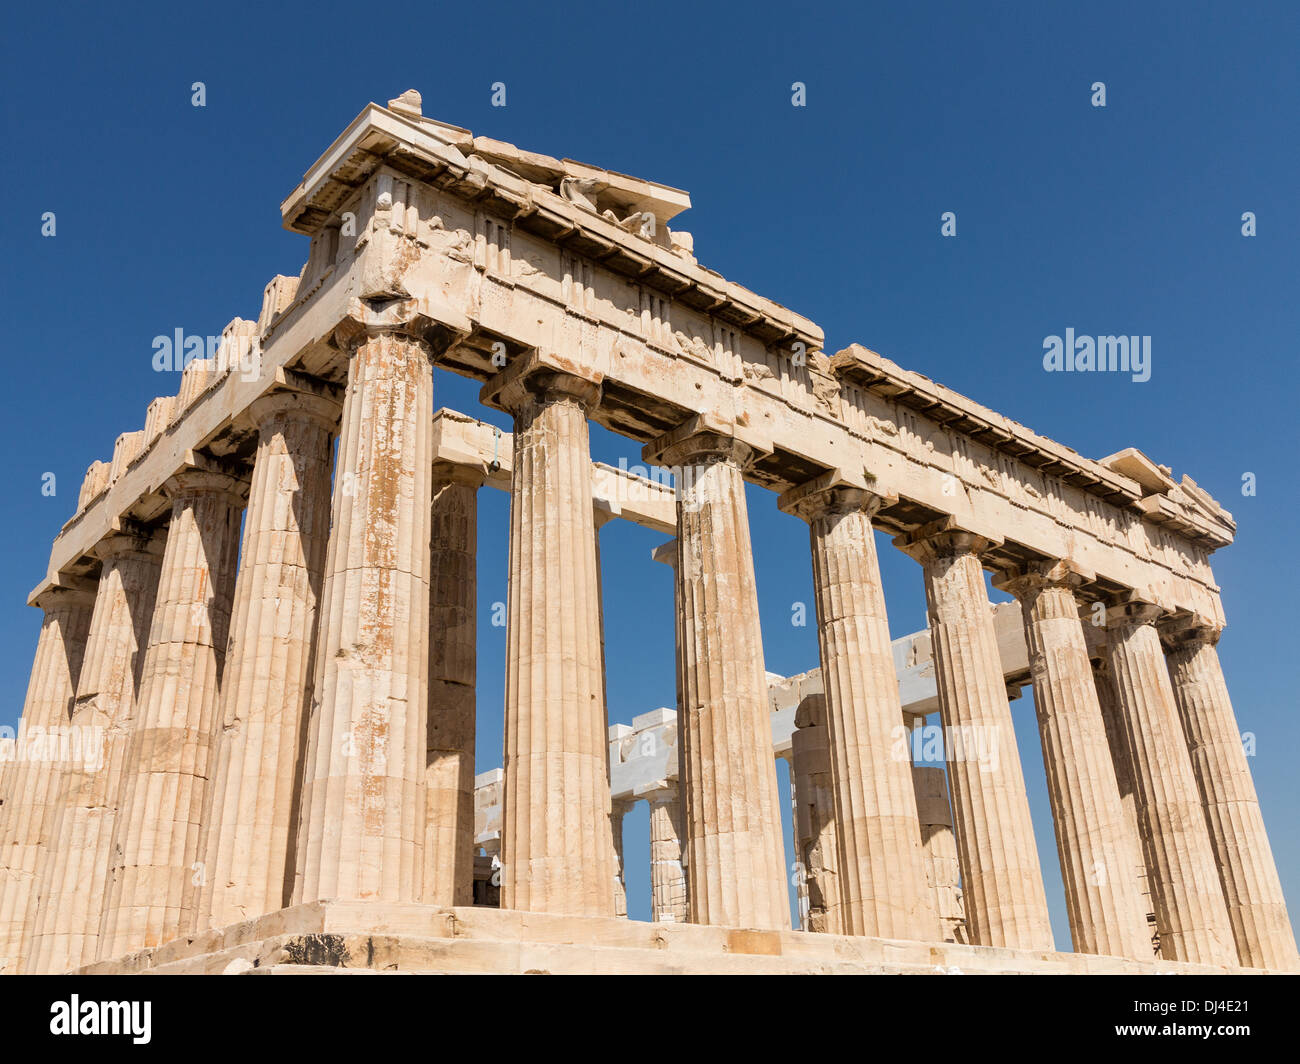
286 778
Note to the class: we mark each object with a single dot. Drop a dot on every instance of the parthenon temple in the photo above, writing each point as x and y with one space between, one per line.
264 612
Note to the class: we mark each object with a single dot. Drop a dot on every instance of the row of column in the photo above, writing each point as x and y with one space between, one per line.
335 723
1197 810
209 689
817 843
667 870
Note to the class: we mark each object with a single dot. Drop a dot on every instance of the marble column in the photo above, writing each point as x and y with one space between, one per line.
65 929
33 776
1251 887
817 840
943 870
618 810
155 860
1104 908
1191 917
453 646
798 870
1112 716
251 827
556 841
668 890
601 516
666 554
880 862
728 775
361 831
667 874
1002 882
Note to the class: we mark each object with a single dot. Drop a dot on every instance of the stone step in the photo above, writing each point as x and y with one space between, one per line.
369 937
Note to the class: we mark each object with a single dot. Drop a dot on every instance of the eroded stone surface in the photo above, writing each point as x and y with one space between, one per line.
561 286
154 865
449 772
250 827
65 927
878 855
1251 887
32 779
1102 900
728 778
1191 915
1002 883
557 849
361 832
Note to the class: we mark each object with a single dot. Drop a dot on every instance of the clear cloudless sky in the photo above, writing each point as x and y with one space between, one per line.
1117 220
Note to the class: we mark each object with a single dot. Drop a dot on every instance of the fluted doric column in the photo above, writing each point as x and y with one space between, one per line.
453 645
728 775
668 890
361 832
1112 715
251 825
1002 882
1191 917
601 515
1251 888
943 870
32 777
1104 908
65 929
667 874
557 847
880 862
154 867
666 554
817 841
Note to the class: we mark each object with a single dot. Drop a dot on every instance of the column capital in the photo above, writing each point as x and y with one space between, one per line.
543 377
708 437
811 711
837 491
941 539
72 593
1027 580
1131 611
1185 630
130 539
196 481
657 792
323 409
363 322
462 473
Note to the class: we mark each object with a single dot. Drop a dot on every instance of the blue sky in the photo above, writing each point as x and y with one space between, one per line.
1124 219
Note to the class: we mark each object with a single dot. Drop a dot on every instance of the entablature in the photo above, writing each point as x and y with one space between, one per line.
510 252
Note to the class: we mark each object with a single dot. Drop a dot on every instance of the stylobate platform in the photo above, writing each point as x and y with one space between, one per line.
353 937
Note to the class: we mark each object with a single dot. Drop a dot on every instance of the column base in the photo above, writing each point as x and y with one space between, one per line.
338 938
